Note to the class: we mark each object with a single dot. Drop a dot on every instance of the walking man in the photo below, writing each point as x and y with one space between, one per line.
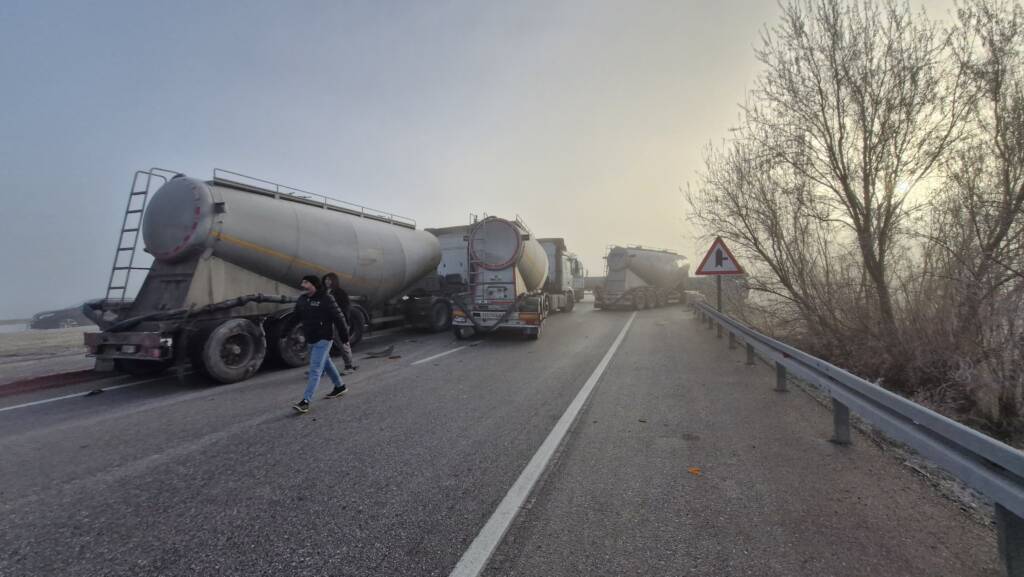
333 288
319 313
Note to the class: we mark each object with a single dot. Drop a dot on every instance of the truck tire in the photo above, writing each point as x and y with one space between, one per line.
463 333
440 317
638 301
570 302
140 368
285 342
233 351
356 325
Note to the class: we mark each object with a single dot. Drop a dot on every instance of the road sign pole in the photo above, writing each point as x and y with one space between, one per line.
718 286
718 289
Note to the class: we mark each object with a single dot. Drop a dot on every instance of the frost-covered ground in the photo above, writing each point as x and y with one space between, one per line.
27 354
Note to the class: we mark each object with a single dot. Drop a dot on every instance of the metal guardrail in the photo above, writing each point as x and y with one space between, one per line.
311 197
991 467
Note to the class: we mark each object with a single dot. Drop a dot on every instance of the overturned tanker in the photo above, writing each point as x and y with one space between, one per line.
229 254
639 278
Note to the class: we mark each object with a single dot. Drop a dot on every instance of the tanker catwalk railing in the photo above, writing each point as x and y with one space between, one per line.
993 468
251 182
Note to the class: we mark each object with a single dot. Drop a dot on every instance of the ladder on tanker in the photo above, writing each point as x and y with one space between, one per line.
131 226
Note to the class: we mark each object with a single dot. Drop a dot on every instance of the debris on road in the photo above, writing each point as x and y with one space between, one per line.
381 353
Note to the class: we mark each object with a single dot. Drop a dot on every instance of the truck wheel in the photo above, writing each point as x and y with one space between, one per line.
286 343
570 302
638 301
440 317
356 325
533 335
463 333
234 351
141 368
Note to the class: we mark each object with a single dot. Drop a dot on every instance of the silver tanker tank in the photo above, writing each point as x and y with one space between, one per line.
507 270
283 237
497 244
642 277
659 268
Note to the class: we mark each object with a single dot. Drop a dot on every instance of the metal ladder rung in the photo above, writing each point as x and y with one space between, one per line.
124 248
117 288
133 211
129 230
138 193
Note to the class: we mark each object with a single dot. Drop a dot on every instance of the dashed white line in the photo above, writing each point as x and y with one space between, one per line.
54 399
475 558
439 355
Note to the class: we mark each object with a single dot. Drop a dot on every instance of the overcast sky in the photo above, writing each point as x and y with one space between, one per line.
584 118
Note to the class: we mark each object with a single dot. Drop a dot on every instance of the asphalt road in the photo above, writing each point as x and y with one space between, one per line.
177 477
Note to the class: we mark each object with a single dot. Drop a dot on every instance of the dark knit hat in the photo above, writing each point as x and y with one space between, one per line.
313 280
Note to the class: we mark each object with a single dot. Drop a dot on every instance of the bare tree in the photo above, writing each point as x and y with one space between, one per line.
856 99
976 232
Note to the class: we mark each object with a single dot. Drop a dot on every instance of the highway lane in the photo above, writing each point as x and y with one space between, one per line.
768 495
400 475
395 478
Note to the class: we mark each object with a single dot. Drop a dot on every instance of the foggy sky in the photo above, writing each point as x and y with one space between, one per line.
584 118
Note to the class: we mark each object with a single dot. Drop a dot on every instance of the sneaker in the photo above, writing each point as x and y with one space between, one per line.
336 392
301 406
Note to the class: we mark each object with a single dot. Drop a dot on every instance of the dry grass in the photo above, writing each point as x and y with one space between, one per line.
42 342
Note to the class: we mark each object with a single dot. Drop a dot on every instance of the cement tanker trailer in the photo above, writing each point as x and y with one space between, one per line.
507 270
639 278
220 247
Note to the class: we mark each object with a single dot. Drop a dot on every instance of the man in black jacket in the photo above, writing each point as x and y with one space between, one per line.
319 314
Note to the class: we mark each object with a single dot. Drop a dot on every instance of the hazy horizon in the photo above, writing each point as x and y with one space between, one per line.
583 118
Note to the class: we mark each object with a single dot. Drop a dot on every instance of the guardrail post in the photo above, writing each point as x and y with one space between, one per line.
732 340
1010 530
780 377
840 423
750 354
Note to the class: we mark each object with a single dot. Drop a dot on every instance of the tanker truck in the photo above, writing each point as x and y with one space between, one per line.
639 278
564 285
229 254
507 268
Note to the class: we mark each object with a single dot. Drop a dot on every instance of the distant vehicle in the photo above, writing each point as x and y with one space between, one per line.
640 278
60 319
564 285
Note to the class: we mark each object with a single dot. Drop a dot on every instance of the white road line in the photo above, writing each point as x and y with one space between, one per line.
439 355
475 558
105 389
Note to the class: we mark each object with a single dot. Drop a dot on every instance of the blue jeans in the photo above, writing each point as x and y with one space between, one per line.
320 363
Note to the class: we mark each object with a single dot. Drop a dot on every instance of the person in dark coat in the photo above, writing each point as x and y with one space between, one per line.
320 316
333 288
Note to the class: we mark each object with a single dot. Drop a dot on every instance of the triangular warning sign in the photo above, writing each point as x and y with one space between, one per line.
719 260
